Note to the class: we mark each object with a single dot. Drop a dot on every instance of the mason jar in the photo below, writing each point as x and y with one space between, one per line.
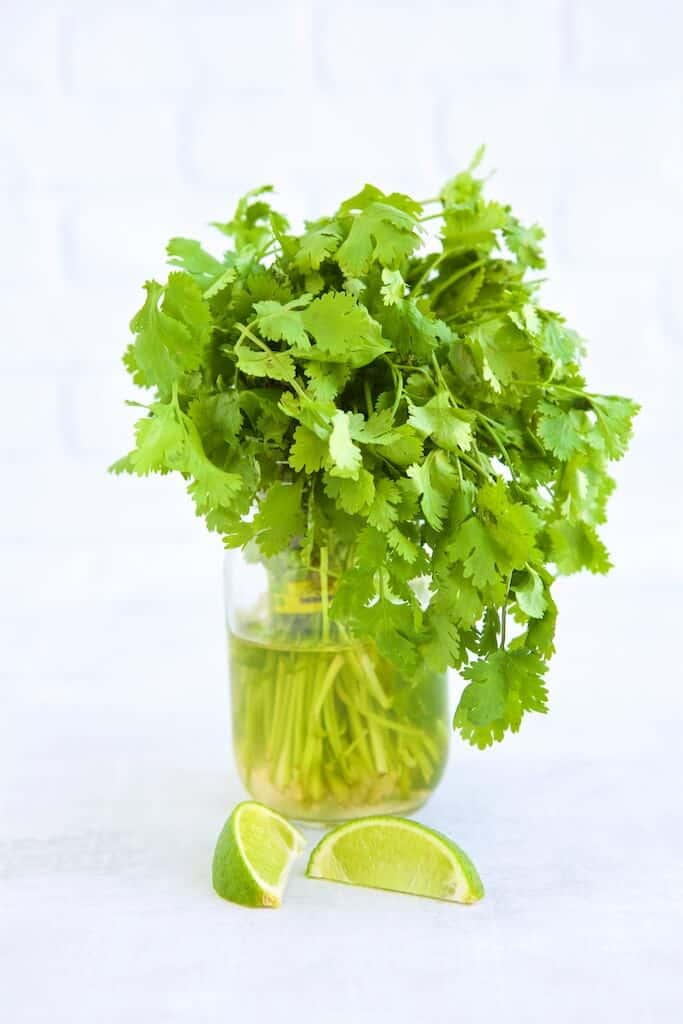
324 727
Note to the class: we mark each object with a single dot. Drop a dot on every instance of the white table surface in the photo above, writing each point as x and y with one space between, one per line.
117 778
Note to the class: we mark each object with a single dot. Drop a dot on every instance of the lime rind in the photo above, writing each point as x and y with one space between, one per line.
266 838
397 854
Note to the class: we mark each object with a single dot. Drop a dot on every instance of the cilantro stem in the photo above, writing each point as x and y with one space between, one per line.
246 332
440 289
324 594
368 395
486 423
398 388
431 216
414 369
270 248
499 306
474 465
441 379
389 464
574 391
503 613
536 441
416 289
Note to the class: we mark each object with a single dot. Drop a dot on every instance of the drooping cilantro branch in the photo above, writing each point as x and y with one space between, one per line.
387 414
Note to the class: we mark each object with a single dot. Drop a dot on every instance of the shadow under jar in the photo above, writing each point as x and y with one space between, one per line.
324 727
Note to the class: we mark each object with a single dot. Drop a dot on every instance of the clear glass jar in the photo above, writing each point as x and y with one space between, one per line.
324 728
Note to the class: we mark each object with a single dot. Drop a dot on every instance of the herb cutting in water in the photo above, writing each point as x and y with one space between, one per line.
383 416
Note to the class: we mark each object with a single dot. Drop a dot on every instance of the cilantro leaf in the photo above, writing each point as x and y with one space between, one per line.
505 353
254 221
530 595
501 689
196 261
444 643
406 419
351 496
318 244
405 446
280 517
211 487
218 419
283 322
383 512
383 228
478 552
275 365
576 546
412 333
158 439
525 243
562 431
326 380
308 451
512 525
614 422
377 429
343 331
163 346
435 479
184 302
451 428
345 455
393 287
563 345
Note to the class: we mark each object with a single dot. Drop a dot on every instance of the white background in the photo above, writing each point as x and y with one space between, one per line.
123 124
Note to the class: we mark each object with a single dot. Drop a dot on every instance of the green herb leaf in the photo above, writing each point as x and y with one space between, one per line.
275 365
308 451
191 257
343 331
280 518
384 228
502 688
562 431
530 595
450 428
317 245
345 455
163 346
279 322
405 420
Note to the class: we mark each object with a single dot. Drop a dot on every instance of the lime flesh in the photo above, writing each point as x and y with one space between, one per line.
384 852
254 855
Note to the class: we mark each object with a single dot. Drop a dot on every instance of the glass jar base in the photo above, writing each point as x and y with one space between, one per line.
401 807
329 811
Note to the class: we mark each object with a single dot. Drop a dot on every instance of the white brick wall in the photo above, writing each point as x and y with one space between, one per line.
400 46
123 124
631 39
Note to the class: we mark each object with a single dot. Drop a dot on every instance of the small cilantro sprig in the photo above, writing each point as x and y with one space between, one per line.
407 410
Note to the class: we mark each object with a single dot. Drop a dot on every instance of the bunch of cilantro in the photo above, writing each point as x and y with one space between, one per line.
402 401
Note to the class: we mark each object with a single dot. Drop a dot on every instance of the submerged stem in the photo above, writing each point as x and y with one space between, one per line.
327 730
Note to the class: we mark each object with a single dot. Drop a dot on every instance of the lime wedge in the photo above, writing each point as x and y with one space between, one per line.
254 855
384 852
